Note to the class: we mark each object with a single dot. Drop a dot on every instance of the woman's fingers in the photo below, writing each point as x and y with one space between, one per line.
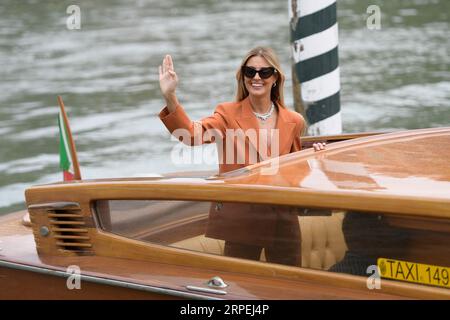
167 65
170 62
164 65
167 77
319 146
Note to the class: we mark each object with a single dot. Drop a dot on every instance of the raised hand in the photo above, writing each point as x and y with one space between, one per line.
168 79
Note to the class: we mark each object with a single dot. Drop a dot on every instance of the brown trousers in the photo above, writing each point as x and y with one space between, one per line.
286 248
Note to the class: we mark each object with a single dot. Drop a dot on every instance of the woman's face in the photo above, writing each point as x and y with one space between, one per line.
257 86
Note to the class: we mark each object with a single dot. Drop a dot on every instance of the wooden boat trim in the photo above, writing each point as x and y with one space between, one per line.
56 206
163 190
106 281
340 137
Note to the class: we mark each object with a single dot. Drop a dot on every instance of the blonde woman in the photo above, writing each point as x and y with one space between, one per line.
253 128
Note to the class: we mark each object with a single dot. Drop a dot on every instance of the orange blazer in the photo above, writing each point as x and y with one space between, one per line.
241 223
235 115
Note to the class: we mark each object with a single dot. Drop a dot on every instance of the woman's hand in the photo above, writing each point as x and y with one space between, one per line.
319 146
168 79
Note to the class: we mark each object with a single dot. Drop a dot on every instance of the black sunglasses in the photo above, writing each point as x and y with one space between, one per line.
264 73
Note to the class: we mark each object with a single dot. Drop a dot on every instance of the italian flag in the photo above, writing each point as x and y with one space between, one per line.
65 156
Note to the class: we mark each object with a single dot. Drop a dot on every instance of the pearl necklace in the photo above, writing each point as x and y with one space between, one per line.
264 116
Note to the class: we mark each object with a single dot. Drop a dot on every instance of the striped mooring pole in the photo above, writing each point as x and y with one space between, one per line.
315 68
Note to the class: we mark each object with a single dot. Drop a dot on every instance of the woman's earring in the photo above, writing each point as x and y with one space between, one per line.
274 84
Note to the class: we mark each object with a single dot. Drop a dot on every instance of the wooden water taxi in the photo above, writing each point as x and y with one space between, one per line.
373 212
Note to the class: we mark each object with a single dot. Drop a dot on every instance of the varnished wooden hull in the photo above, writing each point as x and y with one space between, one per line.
27 285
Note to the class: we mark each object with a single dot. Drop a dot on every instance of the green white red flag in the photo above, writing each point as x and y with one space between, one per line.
68 160
65 156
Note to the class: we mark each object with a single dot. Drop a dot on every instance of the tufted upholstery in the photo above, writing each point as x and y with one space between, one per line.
323 242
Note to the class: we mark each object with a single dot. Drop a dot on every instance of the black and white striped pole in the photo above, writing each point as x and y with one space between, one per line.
314 41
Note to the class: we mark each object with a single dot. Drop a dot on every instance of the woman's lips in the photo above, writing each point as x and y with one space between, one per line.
257 85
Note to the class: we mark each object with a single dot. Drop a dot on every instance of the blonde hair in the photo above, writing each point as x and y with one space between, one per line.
276 93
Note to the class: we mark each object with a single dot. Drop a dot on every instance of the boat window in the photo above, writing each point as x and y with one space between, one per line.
334 240
159 221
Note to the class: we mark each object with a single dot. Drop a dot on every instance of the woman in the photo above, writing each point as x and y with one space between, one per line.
253 128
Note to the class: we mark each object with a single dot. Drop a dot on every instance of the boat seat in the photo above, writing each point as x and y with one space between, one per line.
323 242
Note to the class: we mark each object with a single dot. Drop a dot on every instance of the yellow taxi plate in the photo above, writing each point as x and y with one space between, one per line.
414 272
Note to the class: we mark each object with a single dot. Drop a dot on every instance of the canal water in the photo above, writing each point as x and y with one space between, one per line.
397 77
